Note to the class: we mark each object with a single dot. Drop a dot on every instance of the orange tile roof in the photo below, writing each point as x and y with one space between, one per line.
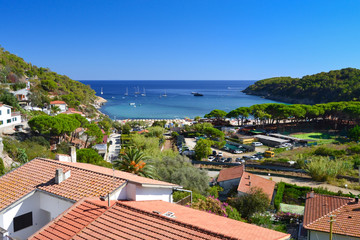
124 175
230 173
249 180
345 211
92 219
57 102
40 174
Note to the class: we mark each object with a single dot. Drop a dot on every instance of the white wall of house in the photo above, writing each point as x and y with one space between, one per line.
316 235
5 117
62 107
44 208
153 193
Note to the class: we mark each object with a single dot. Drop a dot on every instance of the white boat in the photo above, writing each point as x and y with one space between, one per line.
132 104
164 95
144 93
127 92
101 91
137 91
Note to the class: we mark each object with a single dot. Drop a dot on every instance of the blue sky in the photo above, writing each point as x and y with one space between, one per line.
183 39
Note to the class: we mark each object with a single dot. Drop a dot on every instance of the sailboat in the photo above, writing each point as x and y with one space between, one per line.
127 92
144 93
137 91
164 95
101 91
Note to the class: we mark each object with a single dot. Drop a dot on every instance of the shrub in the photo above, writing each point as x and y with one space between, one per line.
39 140
324 151
279 195
214 191
321 169
354 149
2 167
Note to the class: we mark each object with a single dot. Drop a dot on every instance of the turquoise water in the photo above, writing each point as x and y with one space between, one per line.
179 102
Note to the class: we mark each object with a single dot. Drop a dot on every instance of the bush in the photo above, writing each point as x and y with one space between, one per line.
256 201
321 169
279 195
2 167
354 149
214 191
324 151
39 140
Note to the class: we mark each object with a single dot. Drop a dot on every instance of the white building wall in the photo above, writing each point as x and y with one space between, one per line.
315 235
152 193
6 118
44 208
131 191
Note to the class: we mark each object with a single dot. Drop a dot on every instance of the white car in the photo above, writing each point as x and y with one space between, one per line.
254 158
238 151
220 154
211 158
257 144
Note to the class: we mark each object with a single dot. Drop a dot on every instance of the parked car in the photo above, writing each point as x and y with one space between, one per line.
222 159
211 158
256 144
238 151
254 158
214 153
228 160
220 154
246 157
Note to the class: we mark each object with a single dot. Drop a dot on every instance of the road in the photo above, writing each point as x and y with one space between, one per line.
114 148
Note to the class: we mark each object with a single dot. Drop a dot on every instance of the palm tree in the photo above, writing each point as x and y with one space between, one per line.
134 162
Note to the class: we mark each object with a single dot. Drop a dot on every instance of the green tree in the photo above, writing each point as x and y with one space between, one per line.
89 155
218 114
126 128
179 170
202 149
240 113
255 201
2 167
93 132
155 132
134 161
354 133
22 156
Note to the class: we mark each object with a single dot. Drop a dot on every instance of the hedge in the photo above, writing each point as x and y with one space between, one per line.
279 195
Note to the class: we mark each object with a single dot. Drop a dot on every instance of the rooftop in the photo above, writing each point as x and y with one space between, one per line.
249 180
92 219
231 173
57 102
346 212
85 180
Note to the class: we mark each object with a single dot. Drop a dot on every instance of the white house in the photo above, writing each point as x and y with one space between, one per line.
37 192
22 96
60 104
7 117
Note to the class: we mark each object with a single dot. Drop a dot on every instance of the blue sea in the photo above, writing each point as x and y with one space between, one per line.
178 102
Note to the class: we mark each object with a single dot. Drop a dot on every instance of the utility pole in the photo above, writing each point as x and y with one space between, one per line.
331 226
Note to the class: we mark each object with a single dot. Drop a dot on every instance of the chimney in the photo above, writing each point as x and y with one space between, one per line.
312 194
249 183
59 176
73 153
357 199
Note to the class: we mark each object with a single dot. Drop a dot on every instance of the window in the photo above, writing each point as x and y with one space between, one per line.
8 121
23 221
0 112
8 111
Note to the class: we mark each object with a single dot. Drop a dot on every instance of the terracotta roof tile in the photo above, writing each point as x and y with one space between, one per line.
125 175
230 173
346 212
40 174
136 220
57 102
249 180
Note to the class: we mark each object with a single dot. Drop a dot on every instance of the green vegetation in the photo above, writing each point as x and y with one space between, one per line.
202 148
45 83
134 161
89 155
256 201
337 85
320 138
279 195
2 167
354 133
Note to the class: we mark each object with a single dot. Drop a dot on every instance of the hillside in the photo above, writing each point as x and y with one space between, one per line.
46 85
333 86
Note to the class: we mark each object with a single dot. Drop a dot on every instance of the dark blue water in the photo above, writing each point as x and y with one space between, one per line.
179 102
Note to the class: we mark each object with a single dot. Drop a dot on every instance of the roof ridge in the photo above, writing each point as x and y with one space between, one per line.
333 196
71 166
176 221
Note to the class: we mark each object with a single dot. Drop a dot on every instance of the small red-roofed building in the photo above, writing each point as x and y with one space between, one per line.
236 177
344 211
37 192
73 111
60 104
94 219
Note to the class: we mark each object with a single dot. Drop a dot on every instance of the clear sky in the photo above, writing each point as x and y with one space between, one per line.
183 39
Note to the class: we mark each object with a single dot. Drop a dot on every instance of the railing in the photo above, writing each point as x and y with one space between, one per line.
185 201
